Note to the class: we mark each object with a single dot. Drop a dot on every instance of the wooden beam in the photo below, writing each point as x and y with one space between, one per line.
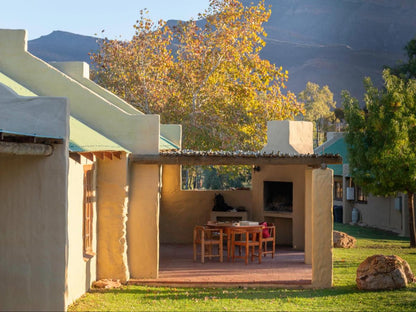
75 156
309 160
29 149
88 155
117 155
109 155
99 155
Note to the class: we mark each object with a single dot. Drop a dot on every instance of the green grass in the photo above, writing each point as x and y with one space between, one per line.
344 296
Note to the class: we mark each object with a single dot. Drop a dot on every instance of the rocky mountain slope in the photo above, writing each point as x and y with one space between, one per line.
329 42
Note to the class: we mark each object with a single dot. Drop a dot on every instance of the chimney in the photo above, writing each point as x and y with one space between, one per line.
289 137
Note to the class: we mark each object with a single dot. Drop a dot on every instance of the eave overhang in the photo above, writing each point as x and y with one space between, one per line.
235 158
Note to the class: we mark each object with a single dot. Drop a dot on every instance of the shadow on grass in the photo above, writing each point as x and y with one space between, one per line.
362 232
156 293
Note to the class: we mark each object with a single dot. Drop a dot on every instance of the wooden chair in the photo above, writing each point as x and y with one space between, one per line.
208 237
271 230
248 239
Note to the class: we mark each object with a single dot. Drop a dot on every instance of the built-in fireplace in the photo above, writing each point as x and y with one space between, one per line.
278 196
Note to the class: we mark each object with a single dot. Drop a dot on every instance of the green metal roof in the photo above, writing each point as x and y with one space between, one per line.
335 146
16 87
82 138
165 144
85 139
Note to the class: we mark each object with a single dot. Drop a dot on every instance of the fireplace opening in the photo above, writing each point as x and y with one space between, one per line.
278 196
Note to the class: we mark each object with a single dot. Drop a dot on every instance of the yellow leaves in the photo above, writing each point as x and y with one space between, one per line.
216 84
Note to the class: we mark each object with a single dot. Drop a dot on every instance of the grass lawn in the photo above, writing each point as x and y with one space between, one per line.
344 296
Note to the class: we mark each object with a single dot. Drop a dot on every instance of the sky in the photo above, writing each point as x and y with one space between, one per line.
90 17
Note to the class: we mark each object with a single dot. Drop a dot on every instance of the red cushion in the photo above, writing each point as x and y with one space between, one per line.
266 233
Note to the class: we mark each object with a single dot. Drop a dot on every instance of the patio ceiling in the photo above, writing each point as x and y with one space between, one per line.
187 157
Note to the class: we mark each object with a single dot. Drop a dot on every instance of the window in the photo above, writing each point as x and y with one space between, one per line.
88 211
338 190
361 196
216 177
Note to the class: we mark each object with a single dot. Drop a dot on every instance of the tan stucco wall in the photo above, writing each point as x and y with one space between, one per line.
308 216
139 133
322 227
181 210
112 197
143 221
290 227
380 212
81 272
33 223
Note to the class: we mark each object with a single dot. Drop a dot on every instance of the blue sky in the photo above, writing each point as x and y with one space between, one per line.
90 17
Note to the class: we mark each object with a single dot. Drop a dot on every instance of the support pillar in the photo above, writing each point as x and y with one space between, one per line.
322 227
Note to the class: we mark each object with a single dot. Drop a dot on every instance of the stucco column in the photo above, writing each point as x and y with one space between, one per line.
308 216
143 221
322 227
111 219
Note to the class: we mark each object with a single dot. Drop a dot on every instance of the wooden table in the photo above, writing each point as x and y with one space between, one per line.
228 226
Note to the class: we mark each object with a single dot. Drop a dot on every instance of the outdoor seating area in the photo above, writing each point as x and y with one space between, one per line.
249 237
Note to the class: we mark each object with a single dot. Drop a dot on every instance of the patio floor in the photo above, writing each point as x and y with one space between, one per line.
177 268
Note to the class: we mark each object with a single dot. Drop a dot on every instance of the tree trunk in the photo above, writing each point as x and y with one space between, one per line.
412 230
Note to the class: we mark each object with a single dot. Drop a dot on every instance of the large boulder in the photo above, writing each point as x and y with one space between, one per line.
106 284
384 272
343 240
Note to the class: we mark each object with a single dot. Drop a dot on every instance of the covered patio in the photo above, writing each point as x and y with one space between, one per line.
162 215
177 269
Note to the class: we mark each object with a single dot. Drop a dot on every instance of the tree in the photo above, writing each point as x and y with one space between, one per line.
215 84
318 103
407 70
138 70
381 140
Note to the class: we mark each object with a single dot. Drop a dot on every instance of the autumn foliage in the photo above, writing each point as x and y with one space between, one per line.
206 75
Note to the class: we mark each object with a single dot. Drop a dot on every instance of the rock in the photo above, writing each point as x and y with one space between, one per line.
106 284
384 272
343 240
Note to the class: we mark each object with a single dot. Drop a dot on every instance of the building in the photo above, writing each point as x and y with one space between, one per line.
387 213
114 192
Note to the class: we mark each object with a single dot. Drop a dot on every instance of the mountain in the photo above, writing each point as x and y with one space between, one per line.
329 42
61 46
338 43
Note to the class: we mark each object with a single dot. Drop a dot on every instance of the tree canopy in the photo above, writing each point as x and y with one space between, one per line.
207 76
381 139
407 70
318 104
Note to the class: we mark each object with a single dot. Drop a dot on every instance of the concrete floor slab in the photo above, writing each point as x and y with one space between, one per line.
177 268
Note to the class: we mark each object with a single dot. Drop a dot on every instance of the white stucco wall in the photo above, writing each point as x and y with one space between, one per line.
289 137
40 116
137 133
81 272
80 71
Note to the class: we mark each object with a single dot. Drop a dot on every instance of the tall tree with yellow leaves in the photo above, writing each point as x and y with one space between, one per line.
215 84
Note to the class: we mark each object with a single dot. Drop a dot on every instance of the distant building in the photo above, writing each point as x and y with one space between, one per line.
387 213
